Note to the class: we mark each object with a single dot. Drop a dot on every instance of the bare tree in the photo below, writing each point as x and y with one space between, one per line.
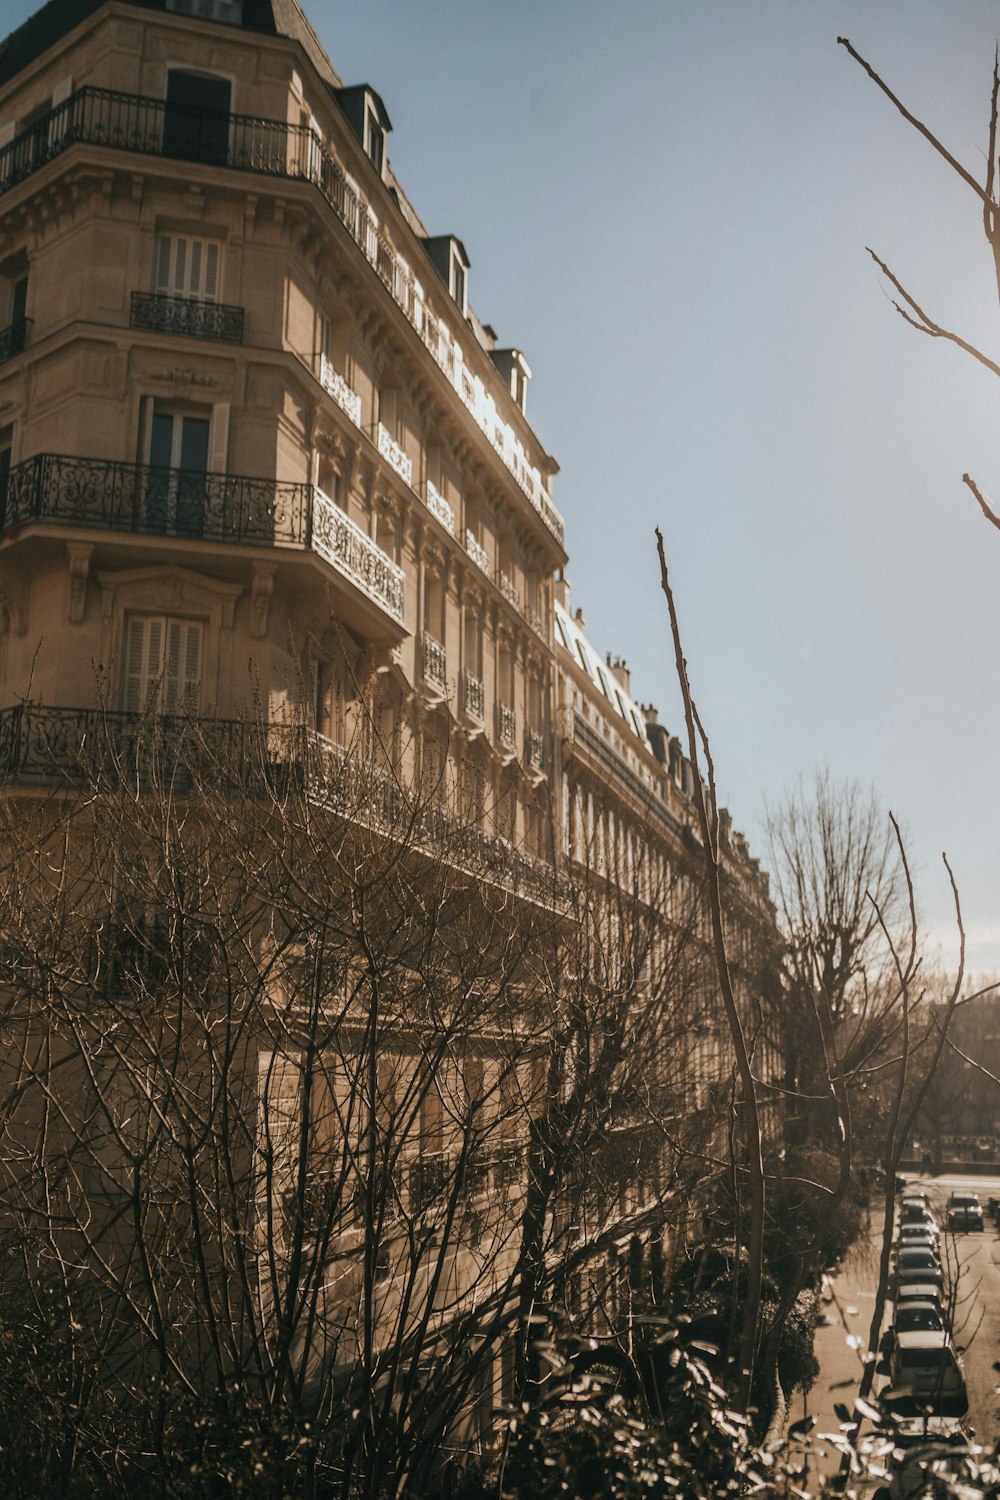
987 195
313 1093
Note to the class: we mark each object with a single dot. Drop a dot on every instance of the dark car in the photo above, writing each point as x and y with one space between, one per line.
965 1212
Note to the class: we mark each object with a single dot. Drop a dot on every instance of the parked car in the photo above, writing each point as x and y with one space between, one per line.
927 1366
918 1291
919 1316
965 1212
917 1265
918 1234
912 1211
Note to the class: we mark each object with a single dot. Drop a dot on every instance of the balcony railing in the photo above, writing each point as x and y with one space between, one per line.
534 750
439 507
336 386
14 338
394 454
429 1177
96 747
473 695
435 663
536 620
506 724
510 590
477 552
88 492
274 148
188 316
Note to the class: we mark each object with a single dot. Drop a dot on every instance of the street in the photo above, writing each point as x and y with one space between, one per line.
848 1306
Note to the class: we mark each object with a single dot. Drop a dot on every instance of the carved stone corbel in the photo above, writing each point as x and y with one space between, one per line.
79 572
261 590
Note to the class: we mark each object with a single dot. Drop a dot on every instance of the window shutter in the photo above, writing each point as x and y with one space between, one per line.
143 648
188 267
182 665
218 438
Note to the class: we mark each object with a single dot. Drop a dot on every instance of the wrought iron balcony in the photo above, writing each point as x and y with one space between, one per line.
14 338
183 753
140 125
439 507
156 313
473 695
231 508
534 750
435 663
336 386
506 724
393 454
430 1176
477 552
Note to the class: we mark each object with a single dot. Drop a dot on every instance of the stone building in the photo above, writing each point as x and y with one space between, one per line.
264 472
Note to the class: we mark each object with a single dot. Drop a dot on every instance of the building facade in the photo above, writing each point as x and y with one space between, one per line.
264 472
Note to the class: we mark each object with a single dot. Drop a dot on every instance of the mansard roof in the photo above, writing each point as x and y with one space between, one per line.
58 18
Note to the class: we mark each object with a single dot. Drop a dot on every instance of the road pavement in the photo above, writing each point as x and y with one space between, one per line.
849 1305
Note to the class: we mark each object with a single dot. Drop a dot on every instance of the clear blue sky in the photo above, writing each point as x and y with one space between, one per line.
666 206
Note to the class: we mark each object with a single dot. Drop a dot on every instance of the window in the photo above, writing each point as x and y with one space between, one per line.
457 279
163 658
182 446
374 140
196 117
188 267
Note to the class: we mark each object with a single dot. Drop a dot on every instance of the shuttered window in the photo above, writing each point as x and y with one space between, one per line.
162 663
188 267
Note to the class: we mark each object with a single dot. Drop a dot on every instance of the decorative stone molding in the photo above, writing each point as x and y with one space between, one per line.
79 571
261 590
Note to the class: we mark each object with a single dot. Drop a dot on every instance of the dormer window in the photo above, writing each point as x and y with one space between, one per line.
452 265
374 139
369 119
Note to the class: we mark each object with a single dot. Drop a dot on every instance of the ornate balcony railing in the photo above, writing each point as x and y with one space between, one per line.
439 507
510 590
473 695
506 724
536 620
156 313
182 753
435 663
14 338
534 750
429 1177
90 492
341 542
336 386
246 143
477 552
393 454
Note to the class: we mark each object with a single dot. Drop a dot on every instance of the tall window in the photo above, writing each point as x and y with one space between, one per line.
196 117
187 266
6 444
163 656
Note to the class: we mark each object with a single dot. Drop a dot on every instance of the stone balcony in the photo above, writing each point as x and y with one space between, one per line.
477 552
336 386
440 509
393 454
52 489
510 590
